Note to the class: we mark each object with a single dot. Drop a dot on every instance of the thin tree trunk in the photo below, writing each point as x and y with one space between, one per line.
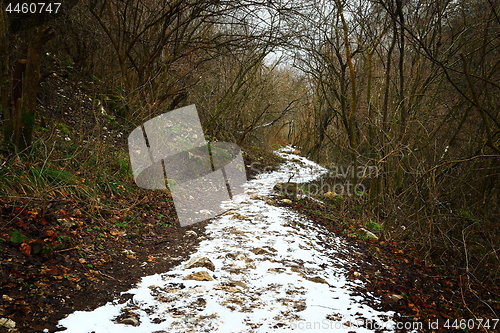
351 118
4 75
401 97
31 80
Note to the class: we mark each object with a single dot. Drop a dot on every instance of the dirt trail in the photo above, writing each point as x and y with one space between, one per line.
261 268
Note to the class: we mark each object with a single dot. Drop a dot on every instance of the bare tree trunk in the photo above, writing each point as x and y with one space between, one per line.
351 118
31 80
401 93
4 73
19 116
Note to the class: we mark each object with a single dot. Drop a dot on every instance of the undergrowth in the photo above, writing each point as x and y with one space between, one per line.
54 170
456 241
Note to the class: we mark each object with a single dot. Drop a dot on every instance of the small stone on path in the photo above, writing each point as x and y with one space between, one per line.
200 262
199 276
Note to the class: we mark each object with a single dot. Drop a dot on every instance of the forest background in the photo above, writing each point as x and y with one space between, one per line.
398 98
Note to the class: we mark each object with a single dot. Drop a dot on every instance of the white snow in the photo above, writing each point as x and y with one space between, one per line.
275 271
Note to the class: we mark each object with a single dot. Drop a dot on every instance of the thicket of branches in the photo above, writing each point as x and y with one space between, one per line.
409 87
412 88
154 56
159 55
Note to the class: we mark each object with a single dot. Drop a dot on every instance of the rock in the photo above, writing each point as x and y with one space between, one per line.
240 284
334 317
368 234
237 232
259 250
7 323
200 262
287 188
130 321
199 276
233 300
238 216
330 195
230 212
299 306
298 270
270 201
317 279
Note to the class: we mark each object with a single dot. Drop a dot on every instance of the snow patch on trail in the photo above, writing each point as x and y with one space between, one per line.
275 271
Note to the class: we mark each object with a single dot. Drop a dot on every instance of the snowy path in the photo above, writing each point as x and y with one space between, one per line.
273 271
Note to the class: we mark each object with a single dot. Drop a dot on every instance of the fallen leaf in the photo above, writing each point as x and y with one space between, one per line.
25 248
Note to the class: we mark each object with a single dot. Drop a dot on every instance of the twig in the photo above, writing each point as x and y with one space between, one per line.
64 250
109 276
463 299
326 307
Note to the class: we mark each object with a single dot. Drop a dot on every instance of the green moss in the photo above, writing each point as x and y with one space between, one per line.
374 226
65 129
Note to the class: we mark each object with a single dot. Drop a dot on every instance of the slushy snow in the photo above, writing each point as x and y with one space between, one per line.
275 271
